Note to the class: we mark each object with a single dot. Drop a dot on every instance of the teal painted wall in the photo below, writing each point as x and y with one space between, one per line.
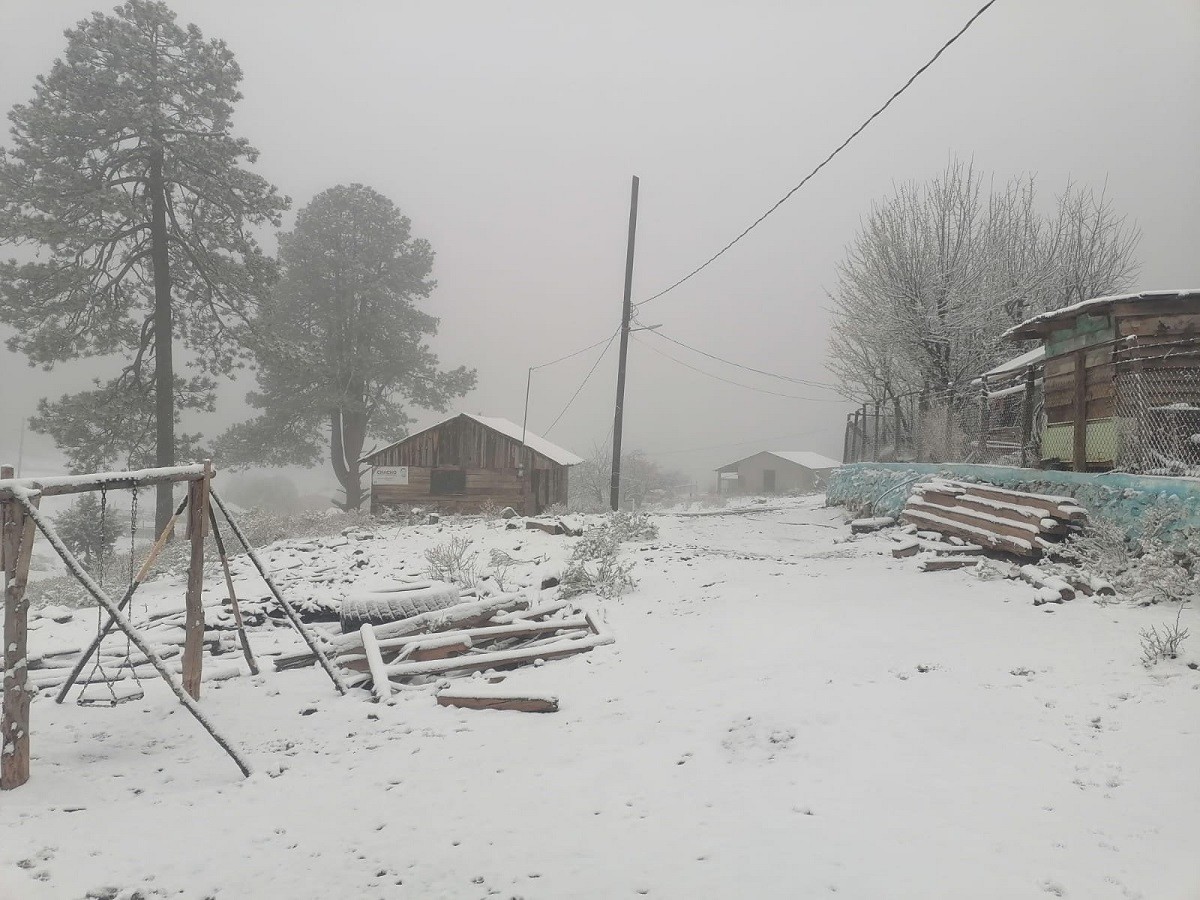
1118 496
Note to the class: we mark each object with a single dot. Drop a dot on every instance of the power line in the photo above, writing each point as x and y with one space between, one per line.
572 355
729 362
743 443
735 383
826 160
586 378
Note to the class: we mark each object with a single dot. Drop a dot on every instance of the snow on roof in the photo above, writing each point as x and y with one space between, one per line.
1029 328
1016 364
805 458
534 442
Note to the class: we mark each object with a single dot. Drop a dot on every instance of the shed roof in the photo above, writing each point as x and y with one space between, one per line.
534 442
1039 325
805 458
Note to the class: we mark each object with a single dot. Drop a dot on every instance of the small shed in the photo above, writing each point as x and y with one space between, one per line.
775 472
468 462
1121 382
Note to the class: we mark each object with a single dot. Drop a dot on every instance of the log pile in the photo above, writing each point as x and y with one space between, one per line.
992 518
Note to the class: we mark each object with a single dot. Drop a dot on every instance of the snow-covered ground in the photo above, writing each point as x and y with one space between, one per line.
784 713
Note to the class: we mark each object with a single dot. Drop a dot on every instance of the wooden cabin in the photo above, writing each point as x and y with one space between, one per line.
1121 382
775 472
469 462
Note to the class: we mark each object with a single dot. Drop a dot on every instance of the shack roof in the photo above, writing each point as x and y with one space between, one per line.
534 442
806 458
1040 325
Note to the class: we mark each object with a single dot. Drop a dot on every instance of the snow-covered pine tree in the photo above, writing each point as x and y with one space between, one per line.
125 179
341 341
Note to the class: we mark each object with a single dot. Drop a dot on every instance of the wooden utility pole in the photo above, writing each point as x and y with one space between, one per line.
626 312
16 547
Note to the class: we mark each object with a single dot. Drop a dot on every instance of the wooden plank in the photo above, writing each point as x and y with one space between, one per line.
381 687
988 521
17 538
1002 508
1063 508
979 535
1079 416
946 563
514 702
1164 307
499 660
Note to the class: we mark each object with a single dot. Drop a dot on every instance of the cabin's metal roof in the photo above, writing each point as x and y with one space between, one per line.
534 442
806 458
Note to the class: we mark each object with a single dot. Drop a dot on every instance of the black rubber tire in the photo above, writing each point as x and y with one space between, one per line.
391 604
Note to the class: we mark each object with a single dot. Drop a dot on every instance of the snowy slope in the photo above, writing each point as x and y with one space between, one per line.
785 713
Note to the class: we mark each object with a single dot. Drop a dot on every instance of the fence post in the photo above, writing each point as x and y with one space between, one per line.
875 441
949 423
919 423
1027 417
862 445
984 419
896 428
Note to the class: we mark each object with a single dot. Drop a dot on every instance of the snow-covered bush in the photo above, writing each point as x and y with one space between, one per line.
1156 566
595 566
1157 646
453 562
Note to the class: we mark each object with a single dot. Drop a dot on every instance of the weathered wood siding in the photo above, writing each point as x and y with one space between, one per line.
1084 356
491 461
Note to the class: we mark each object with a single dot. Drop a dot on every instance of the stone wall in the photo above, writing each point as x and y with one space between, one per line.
1116 495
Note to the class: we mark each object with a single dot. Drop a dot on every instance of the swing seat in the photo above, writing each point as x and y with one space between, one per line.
110 693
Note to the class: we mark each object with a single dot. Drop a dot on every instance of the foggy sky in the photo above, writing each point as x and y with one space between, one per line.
508 132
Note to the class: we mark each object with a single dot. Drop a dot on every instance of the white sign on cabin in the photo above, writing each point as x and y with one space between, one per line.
729 476
389 475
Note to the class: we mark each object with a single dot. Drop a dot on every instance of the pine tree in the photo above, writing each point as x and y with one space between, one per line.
87 532
125 179
341 341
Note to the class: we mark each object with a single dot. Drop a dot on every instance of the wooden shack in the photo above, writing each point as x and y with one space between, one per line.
1122 382
467 463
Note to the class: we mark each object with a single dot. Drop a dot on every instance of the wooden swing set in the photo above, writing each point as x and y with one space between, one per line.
21 519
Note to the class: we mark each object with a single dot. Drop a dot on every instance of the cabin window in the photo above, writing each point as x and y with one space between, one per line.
448 481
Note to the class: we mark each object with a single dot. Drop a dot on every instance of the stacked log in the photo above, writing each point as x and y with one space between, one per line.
997 519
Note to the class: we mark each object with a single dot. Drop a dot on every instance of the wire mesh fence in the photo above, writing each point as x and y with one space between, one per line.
1157 411
991 420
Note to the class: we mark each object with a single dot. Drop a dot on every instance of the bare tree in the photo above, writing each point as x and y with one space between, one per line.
939 271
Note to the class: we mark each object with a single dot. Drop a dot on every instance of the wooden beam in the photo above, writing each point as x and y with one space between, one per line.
513 702
193 640
233 600
81 484
17 538
380 686
1079 449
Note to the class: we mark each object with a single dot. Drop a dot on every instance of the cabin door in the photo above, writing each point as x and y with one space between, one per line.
768 481
541 496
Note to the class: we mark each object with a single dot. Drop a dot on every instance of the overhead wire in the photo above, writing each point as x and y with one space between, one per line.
576 353
826 160
748 387
583 383
737 365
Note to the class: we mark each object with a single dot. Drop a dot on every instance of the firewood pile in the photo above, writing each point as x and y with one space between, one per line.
492 634
992 518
